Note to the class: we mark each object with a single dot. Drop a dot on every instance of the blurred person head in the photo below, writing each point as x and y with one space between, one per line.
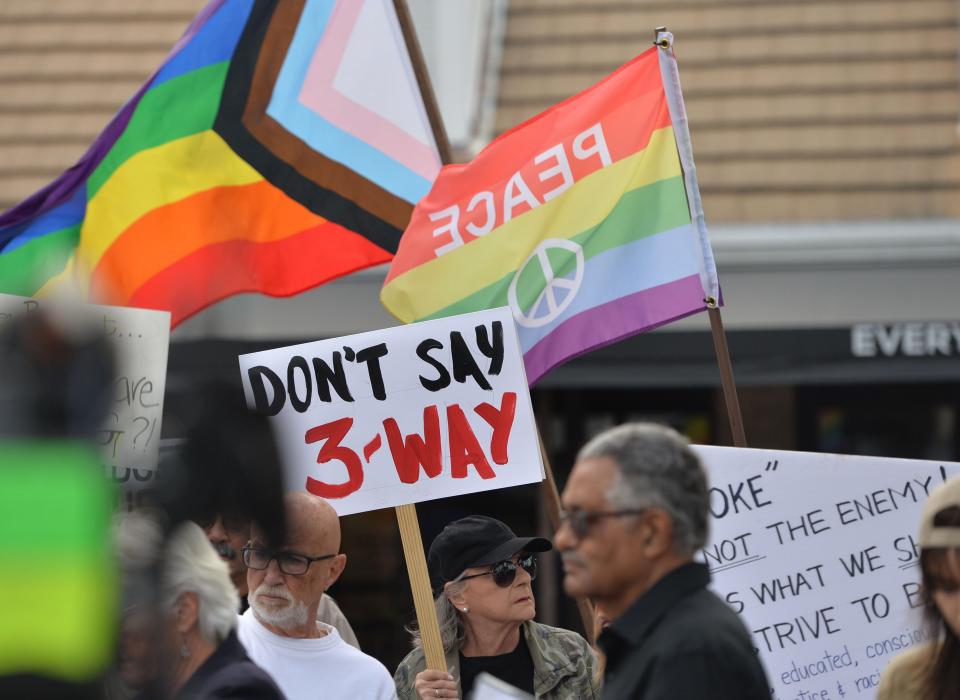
635 508
56 375
197 602
227 467
939 541
481 573
228 534
287 580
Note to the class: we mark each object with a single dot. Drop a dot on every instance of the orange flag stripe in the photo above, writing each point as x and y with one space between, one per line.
257 213
278 268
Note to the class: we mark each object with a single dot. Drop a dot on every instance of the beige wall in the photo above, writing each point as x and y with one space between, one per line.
799 109
66 66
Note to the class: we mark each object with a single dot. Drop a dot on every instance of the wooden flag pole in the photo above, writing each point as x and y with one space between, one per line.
407 514
727 381
549 487
423 80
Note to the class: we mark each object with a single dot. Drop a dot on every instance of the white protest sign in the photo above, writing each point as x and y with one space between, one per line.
817 553
487 687
140 339
401 415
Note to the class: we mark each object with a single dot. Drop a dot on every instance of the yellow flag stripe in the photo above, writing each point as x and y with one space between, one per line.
153 178
440 282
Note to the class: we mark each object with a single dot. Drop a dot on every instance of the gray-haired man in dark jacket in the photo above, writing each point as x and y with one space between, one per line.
636 509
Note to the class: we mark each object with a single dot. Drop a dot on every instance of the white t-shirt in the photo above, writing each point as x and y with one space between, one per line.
325 667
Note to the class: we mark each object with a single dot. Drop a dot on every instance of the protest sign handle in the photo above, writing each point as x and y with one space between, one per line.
551 495
423 80
407 514
420 585
730 398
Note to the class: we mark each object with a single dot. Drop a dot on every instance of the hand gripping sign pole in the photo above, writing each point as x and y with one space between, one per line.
407 514
670 76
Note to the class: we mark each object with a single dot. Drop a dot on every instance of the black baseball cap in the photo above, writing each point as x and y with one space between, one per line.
475 541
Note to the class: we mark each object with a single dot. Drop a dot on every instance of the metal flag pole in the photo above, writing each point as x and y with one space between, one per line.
670 76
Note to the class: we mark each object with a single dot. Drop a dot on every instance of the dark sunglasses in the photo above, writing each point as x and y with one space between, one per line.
581 521
505 572
231 523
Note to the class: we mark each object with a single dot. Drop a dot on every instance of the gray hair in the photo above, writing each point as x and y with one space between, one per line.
190 565
452 631
657 469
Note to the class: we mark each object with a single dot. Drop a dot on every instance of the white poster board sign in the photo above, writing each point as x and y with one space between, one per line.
818 554
487 687
140 339
401 415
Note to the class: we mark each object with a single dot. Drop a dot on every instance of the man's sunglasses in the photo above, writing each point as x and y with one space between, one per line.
231 523
505 572
580 521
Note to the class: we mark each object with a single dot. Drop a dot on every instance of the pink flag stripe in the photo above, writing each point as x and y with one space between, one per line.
319 94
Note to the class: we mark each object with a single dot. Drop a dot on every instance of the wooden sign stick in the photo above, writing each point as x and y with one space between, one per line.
407 514
420 584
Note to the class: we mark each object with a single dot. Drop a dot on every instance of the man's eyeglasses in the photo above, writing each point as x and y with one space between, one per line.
505 572
290 563
581 521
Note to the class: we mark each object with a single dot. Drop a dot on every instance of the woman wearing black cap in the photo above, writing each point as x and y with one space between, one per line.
931 671
481 574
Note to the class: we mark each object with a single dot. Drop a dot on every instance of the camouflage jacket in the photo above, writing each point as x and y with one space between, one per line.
564 665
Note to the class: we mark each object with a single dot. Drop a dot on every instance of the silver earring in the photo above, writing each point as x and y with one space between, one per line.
466 609
184 651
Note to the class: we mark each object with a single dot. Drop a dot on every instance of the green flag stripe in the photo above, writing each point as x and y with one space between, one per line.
642 212
180 107
25 268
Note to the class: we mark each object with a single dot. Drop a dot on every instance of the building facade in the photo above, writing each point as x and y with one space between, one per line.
826 139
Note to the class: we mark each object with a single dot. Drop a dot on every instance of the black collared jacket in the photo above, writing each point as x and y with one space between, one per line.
679 641
229 673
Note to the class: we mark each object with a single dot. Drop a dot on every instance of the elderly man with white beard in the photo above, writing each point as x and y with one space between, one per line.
306 658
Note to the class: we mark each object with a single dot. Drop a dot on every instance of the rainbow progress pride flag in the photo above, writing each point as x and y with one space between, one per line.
578 219
281 144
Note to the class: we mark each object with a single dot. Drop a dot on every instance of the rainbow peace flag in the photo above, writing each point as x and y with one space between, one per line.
281 144
580 219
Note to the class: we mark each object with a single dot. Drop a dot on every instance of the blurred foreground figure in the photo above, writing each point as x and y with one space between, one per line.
481 574
228 534
187 648
636 509
932 671
228 465
57 596
286 580
56 375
